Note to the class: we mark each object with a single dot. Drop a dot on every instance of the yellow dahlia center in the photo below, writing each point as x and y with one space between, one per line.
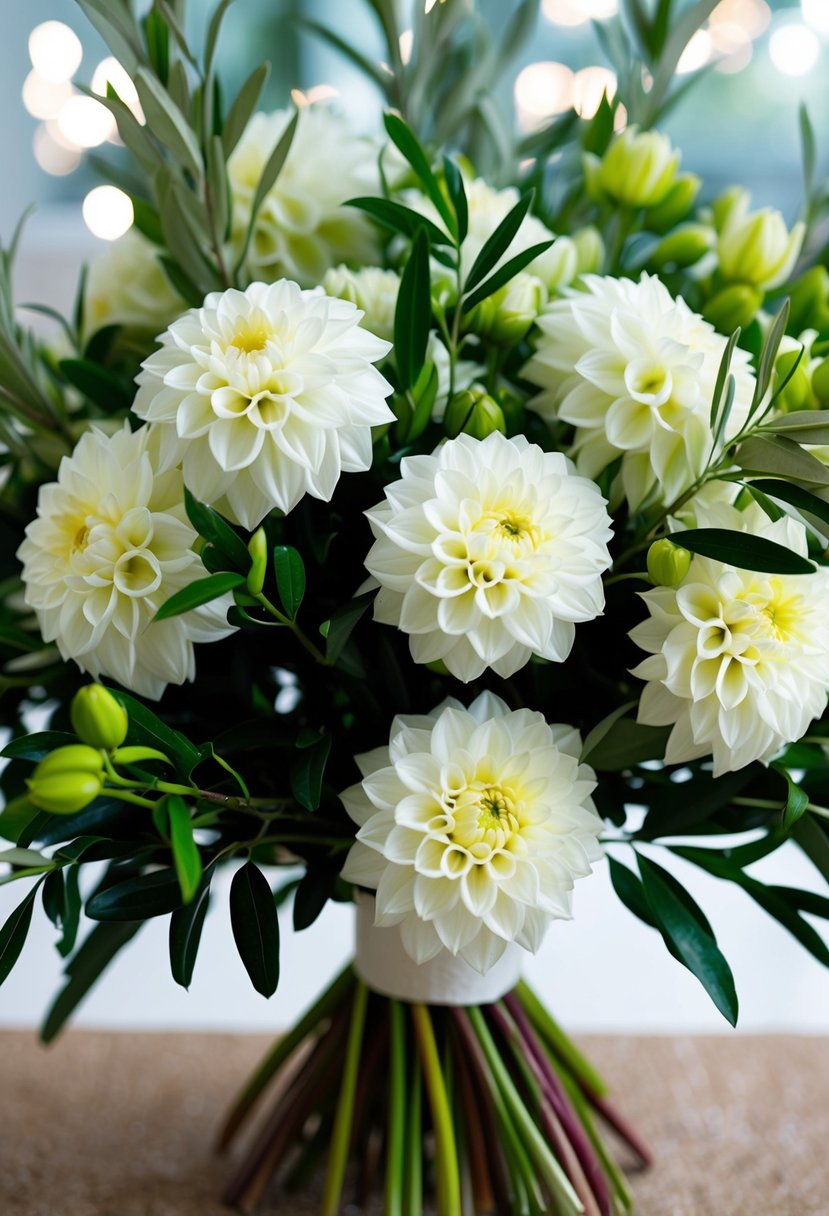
250 339
485 818
80 539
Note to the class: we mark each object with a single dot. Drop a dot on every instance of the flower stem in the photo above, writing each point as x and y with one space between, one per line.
448 1179
562 1046
414 1147
397 1112
341 1135
301 637
134 799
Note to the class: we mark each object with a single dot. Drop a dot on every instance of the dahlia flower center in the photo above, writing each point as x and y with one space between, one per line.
250 338
116 551
484 819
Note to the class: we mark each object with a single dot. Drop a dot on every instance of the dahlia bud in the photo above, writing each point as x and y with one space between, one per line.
474 413
639 168
98 718
757 247
667 563
590 250
733 307
67 780
677 204
684 246
258 550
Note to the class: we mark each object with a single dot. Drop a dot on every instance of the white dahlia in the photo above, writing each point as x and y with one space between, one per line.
739 661
487 552
125 285
634 371
373 290
111 543
302 228
474 825
264 396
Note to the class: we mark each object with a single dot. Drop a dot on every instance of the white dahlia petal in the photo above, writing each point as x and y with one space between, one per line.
286 404
106 550
491 825
486 552
739 661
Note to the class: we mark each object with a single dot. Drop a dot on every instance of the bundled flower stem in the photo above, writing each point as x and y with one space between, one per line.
479 1109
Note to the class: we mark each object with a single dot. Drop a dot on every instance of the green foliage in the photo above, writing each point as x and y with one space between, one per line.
255 927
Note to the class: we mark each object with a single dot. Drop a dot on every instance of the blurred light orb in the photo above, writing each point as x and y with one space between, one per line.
589 86
541 90
794 49
107 212
752 16
406 45
55 51
577 12
85 122
317 93
816 14
53 157
696 54
45 98
110 72
736 60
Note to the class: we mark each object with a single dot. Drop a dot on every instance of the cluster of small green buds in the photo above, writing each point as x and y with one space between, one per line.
590 250
809 300
667 563
507 314
98 718
67 780
733 308
684 246
637 170
755 247
677 203
473 412
794 374
258 550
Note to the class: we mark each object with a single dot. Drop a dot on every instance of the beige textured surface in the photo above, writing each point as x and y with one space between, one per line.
121 1125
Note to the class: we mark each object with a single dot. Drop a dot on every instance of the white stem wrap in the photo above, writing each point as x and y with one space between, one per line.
383 964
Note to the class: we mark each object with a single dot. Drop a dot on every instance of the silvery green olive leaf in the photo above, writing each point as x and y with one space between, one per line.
267 180
243 107
768 356
795 496
167 123
780 456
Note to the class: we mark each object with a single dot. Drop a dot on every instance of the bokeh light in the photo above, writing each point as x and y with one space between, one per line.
794 49
589 86
107 212
55 51
816 14
542 90
110 71
85 122
45 98
52 156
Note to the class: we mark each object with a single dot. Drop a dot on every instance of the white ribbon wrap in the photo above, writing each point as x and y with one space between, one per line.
383 964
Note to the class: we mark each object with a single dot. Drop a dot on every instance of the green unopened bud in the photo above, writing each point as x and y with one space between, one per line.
684 246
507 314
735 199
677 203
64 793
820 382
733 307
667 563
639 168
258 550
809 298
757 247
473 412
590 250
74 758
794 370
98 718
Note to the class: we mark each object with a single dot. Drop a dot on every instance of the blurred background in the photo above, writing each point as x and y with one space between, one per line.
605 970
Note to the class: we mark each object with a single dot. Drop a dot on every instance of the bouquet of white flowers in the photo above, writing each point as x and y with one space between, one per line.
461 505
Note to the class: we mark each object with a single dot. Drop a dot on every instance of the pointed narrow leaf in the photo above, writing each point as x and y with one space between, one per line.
413 313
255 925
407 142
743 550
267 181
71 917
202 591
397 218
167 123
307 772
243 107
796 800
630 891
768 356
342 624
84 969
779 907
682 925
311 896
504 273
290 578
186 926
781 456
497 244
457 193
138 898
186 854
14 932
213 528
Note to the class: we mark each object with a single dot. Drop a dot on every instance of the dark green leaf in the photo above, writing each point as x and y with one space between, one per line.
15 817
682 924
678 809
290 578
398 218
255 927
14 932
780 456
210 525
505 273
97 384
781 909
139 898
408 144
627 743
630 891
312 895
307 772
768 356
796 800
186 926
742 549
342 623
814 842
804 426
35 747
86 966
804 901
186 854
53 899
202 591
457 194
71 918
146 220
497 244
413 313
